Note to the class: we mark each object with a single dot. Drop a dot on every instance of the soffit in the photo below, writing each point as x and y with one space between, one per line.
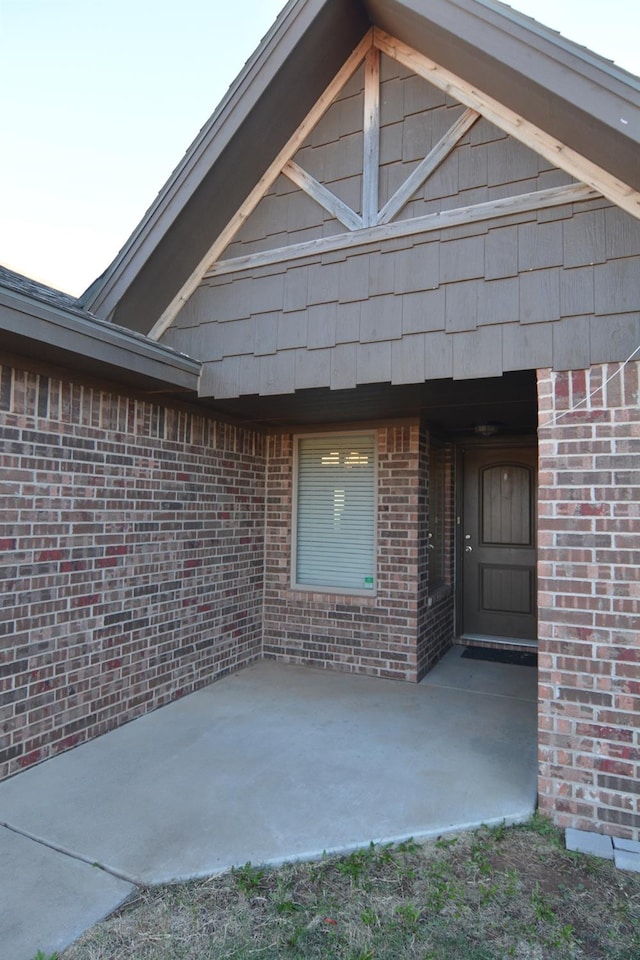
452 406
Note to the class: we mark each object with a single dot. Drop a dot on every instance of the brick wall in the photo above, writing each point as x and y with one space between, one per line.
131 558
589 618
371 635
435 598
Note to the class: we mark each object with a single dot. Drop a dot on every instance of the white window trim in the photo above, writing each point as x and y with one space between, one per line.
316 588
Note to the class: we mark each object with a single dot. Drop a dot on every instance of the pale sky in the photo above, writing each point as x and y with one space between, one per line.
101 98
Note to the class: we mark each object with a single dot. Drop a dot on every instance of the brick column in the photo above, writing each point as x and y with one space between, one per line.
589 598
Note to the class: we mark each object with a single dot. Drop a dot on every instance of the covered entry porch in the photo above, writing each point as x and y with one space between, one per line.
433 541
274 763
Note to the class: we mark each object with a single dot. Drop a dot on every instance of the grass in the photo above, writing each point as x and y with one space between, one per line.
488 895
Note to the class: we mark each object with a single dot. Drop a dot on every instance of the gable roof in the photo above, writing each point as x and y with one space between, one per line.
582 102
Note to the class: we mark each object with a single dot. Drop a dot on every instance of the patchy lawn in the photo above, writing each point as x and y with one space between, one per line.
488 895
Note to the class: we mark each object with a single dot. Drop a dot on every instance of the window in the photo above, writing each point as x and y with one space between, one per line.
334 521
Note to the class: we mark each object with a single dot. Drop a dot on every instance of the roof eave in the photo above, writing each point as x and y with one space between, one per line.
35 329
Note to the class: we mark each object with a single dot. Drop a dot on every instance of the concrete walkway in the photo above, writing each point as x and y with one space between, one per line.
274 763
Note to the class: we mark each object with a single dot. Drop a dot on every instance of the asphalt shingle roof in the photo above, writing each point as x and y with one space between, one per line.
18 283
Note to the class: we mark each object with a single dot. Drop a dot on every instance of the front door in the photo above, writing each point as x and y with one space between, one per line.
498 545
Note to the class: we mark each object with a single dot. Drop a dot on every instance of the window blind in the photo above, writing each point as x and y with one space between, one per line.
335 528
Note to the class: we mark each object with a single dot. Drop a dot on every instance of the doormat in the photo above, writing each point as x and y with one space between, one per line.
520 658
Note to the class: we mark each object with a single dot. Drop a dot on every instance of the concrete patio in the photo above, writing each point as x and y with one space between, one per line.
274 763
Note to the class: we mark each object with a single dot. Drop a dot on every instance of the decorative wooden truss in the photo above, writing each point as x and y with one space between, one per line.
374 224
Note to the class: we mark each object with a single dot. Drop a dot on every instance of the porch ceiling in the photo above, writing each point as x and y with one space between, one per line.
451 406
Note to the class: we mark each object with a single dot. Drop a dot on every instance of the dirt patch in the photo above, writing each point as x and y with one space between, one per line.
488 895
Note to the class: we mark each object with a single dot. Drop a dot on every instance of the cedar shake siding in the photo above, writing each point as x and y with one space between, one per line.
131 557
557 287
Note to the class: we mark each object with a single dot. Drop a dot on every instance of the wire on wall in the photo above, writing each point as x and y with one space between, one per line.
565 413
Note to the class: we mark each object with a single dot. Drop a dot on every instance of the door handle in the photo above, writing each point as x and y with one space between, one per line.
468 549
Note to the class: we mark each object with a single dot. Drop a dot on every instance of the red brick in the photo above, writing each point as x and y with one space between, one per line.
50 555
28 759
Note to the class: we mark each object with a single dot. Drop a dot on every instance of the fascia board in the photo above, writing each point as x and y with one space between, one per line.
495 45
93 339
103 295
573 72
546 34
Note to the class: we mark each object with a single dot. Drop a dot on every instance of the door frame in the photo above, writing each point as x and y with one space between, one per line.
484 443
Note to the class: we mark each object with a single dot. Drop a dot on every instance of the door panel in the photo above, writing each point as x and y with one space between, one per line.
506 504
505 589
499 555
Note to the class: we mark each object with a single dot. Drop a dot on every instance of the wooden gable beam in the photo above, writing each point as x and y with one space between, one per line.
371 159
426 167
264 183
318 192
556 152
459 216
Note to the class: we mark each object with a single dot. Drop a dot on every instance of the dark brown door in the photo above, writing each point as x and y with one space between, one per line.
498 545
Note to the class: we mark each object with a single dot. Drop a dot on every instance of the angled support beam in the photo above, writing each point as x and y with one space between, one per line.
268 178
556 152
434 158
318 192
492 209
371 161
